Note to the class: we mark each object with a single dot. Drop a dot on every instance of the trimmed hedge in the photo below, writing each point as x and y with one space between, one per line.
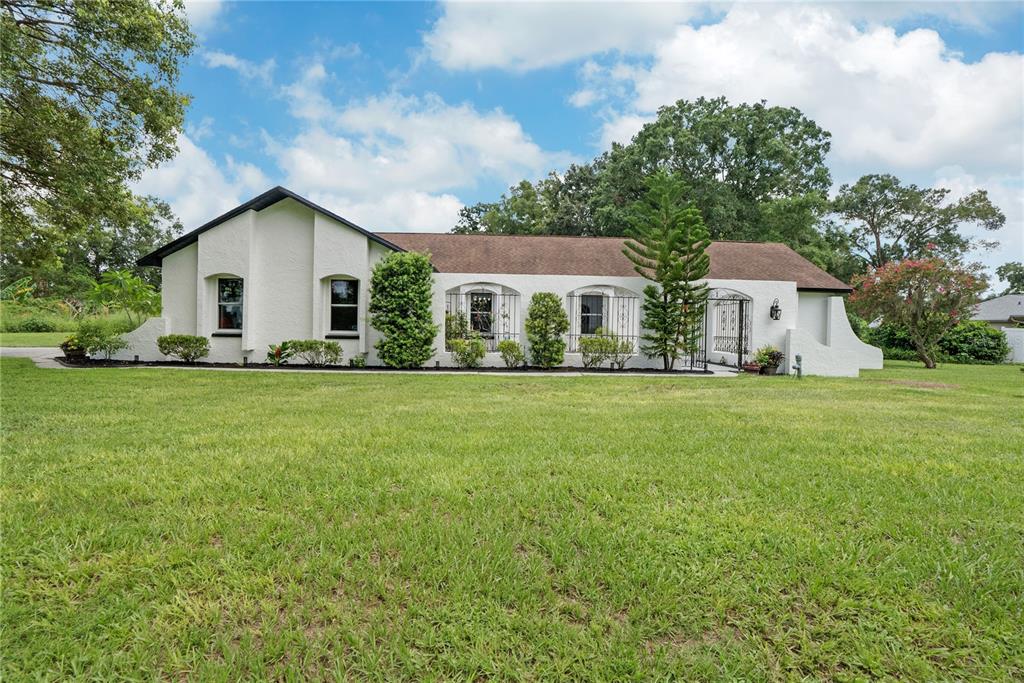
187 347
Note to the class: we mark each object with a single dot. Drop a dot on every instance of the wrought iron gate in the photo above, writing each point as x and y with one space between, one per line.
723 334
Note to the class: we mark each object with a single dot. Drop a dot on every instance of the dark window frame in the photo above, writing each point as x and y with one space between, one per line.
342 333
222 303
587 317
476 318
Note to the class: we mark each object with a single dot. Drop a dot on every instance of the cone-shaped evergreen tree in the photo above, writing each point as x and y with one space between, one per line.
667 243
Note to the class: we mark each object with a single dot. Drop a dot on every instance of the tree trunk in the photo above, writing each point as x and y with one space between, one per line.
925 357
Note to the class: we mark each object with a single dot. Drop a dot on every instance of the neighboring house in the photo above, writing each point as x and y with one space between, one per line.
1005 313
280 267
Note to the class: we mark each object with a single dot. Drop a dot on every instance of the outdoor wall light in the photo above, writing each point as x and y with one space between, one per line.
775 311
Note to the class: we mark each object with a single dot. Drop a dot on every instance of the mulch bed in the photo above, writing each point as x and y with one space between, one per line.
98 363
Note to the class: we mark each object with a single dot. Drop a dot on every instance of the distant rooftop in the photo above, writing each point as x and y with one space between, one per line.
1001 309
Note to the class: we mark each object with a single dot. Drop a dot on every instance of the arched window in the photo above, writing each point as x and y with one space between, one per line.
344 306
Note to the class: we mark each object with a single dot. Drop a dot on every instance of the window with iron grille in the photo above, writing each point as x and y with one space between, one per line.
591 313
481 313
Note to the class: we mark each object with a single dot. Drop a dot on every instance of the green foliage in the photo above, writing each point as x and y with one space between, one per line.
768 357
1013 274
667 245
752 171
888 221
20 290
890 336
400 309
469 352
88 101
120 290
925 298
546 322
187 347
278 354
358 360
315 352
605 346
456 326
859 325
974 341
512 353
101 337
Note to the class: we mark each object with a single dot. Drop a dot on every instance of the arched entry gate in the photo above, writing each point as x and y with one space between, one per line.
727 330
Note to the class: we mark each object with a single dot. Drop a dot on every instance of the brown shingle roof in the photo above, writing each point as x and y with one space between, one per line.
597 256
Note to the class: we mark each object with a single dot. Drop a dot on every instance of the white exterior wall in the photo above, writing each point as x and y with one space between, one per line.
825 341
1015 338
287 253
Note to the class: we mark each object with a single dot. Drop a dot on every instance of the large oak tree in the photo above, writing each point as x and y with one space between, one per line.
88 101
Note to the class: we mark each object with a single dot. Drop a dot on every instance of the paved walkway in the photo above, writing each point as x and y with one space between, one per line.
44 357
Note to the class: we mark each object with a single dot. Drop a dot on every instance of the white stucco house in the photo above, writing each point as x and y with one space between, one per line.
1006 314
280 267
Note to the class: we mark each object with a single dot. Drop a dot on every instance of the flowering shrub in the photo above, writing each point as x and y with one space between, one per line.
925 297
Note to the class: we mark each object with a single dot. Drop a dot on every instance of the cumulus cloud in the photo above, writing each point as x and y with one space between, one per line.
899 101
197 187
203 14
396 161
531 35
248 70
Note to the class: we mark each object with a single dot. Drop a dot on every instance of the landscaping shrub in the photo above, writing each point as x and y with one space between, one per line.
971 341
358 360
400 309
621 351
597 349
278 354
100 336
974 341
316 352
187 347
512 353
546 322
468 353
456 326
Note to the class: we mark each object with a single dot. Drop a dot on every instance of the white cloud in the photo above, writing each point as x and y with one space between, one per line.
197 188
895 101
531 35
248 70
203 14
394 161
1006 192
203 129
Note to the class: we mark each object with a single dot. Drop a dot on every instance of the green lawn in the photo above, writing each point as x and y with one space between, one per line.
227 525
53 339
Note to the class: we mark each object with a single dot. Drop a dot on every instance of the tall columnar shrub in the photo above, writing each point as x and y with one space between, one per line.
667 245
926 298
400 298
546 322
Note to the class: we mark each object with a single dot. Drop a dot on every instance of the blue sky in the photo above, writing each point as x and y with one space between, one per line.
397 114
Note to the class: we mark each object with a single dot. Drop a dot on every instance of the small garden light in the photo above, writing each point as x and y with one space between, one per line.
775 311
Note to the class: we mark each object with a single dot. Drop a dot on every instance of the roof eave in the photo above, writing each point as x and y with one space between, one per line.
263 201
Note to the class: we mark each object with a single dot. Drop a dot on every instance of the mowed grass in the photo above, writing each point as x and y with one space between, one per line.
229 525
22 339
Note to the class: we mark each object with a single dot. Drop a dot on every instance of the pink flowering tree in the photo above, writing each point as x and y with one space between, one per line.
925 297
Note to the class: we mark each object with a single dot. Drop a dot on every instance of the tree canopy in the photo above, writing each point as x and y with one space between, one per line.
889 221
753 171
1013 274
88 101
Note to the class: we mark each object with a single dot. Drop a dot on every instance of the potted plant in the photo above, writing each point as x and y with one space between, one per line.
753 367
768 359
74 351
